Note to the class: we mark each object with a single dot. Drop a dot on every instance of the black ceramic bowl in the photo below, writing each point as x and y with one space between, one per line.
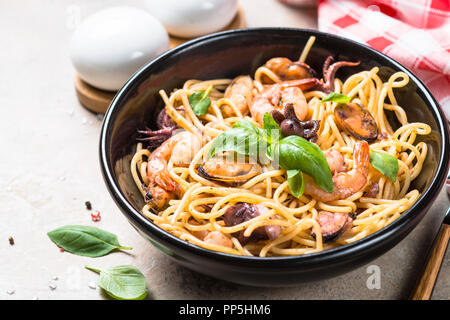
229 54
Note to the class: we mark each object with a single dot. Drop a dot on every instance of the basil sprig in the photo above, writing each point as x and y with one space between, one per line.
200 101
294 153
336 97
122 282
385 163
246 138
85 240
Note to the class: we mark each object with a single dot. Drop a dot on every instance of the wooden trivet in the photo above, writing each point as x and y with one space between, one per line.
91 98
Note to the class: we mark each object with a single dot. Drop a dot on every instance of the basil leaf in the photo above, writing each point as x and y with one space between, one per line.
122 282
239 140
244 138
336 97
271 128
200 102
269 151
249 126
296 182
385 163
295 152
85 241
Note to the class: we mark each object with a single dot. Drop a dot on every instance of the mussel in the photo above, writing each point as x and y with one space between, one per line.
228 172
286 69
356 120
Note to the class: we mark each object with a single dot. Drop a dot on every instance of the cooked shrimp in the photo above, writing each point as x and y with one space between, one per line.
201 234
240 93
277 96
161 187
335 161
218 238
345 183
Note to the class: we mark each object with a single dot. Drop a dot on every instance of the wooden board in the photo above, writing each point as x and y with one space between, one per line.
91 98
98 101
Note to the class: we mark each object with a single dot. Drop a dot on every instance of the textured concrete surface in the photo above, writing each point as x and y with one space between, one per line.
50 167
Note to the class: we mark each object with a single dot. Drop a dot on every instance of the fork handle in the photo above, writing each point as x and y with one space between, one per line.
425 285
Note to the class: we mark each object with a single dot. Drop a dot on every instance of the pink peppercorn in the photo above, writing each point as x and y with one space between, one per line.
95 215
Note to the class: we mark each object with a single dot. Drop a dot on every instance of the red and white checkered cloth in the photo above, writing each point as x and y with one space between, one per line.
416 33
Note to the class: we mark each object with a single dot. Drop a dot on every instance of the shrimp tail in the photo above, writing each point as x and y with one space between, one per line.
351 182
166 182
361 154
348 183
159 197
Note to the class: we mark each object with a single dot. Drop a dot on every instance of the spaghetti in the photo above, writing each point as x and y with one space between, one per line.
200 204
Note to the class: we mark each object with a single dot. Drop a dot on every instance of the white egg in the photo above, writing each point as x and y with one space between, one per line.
112 44
193 18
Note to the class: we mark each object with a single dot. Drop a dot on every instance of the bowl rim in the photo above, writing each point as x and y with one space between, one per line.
371 241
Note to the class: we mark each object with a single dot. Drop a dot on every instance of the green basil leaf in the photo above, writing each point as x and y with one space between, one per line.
336 97
295 152
244 138
271 128
239 140
85 241
269 151
122 282
385 163
249 126
296 182
200 102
